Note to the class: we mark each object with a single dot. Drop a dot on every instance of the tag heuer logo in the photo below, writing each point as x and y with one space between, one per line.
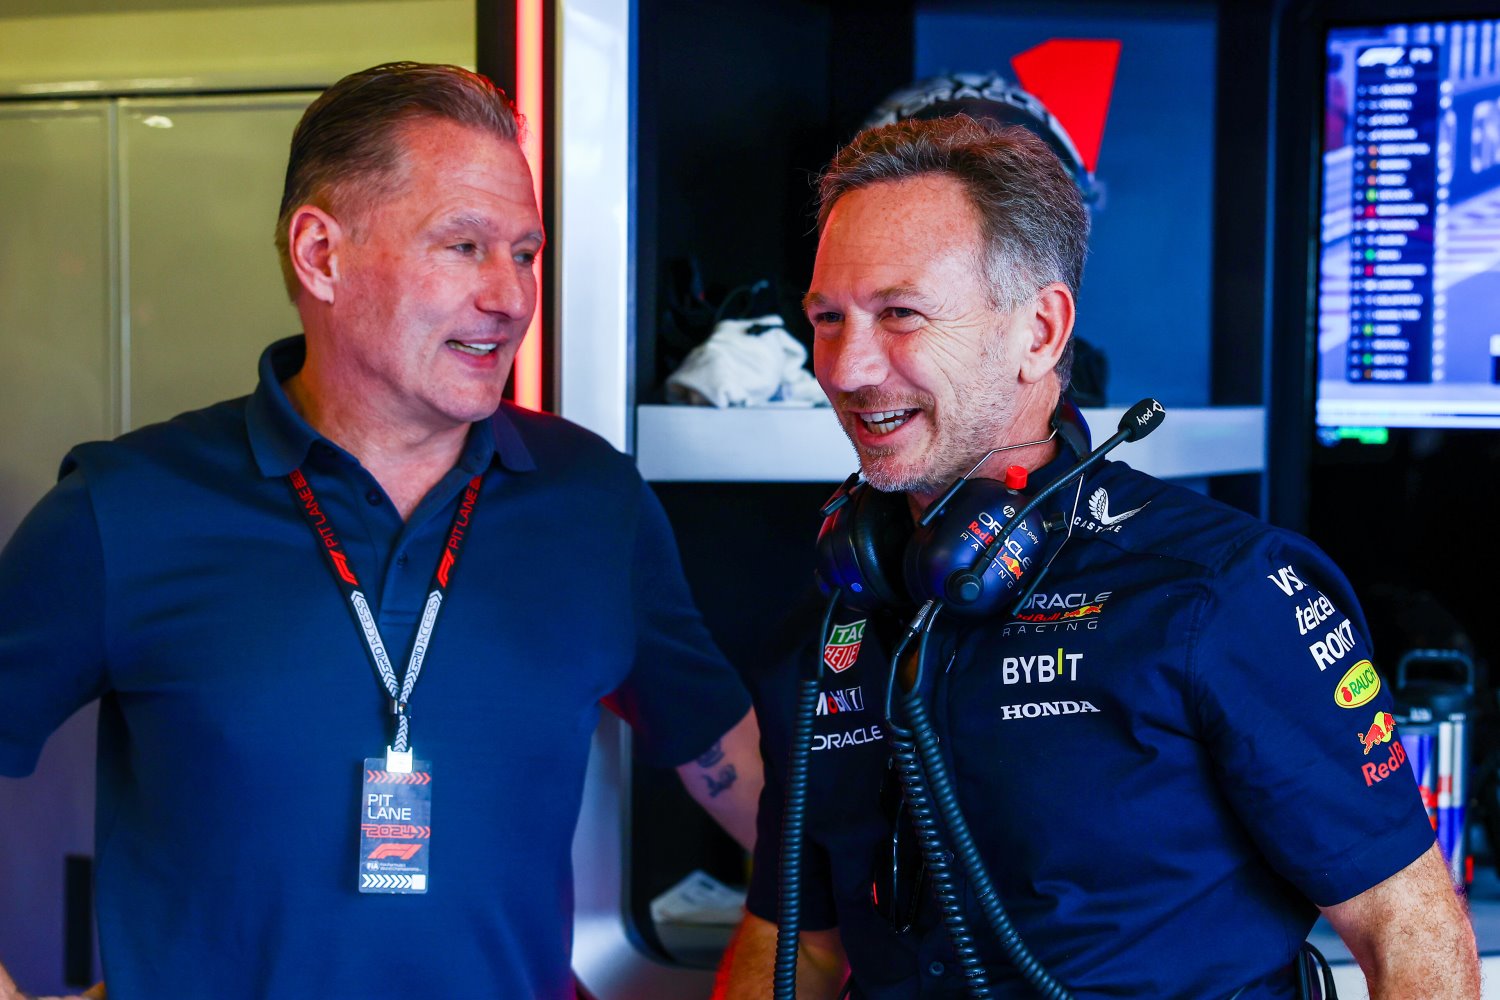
843 646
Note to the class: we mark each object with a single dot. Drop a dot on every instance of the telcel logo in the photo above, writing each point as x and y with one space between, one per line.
1358 686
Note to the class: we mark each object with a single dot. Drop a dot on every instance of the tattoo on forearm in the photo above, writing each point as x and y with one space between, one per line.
720 782
713 755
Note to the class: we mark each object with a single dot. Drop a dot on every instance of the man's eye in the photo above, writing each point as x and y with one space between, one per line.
525 257
900 312
826 317
466 248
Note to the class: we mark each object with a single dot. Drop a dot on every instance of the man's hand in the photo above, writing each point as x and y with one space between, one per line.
726 779
1411 934
745 973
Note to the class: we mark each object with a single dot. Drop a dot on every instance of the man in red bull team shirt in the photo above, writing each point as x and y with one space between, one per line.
1152 750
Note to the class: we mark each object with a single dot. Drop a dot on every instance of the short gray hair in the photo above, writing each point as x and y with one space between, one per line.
347 144
1031 216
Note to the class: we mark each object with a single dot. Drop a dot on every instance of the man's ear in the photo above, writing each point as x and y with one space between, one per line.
315 240
1049 324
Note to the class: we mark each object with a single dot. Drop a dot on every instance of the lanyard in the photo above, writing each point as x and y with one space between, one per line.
348 583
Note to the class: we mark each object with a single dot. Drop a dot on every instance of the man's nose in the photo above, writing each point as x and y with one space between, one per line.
852 359
506 289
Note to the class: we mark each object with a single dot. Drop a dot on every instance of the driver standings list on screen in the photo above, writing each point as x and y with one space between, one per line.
1394 335
1408 332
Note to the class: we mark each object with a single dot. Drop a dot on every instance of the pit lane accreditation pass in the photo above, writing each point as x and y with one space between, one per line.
395 826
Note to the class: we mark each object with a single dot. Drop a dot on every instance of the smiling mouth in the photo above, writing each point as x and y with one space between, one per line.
886 421
477 350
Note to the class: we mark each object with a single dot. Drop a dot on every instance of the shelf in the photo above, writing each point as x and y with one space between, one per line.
774 444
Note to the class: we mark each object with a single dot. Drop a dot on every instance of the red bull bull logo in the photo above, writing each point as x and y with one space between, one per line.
1012 565
1380 731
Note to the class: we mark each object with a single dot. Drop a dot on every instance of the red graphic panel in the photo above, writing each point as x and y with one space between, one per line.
1074 78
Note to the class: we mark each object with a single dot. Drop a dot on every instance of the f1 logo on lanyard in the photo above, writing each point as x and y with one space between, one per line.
395 822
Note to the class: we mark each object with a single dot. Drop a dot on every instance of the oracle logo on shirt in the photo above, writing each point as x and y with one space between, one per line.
848 738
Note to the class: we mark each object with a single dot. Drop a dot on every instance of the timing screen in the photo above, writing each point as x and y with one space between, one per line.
1409 275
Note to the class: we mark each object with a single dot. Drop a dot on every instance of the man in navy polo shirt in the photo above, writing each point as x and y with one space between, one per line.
364 617
1174 753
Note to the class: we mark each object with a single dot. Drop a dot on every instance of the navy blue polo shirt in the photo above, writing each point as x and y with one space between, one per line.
170 573
1167 756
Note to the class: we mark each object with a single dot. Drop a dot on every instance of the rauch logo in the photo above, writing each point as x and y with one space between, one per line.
1358 686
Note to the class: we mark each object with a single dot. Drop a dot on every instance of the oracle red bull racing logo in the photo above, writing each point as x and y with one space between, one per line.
1061 607
1380 731
843 646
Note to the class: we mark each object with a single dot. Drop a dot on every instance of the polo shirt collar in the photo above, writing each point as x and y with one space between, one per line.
280 439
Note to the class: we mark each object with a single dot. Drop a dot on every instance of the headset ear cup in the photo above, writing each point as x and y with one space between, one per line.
883 526
861 547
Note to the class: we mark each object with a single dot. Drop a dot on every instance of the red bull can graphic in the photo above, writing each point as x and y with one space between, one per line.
1435 692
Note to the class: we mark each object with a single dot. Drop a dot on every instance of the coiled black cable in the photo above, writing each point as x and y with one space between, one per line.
794 822
967 851
925 823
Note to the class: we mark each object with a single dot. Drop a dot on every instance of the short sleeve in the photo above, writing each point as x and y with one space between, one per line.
681 694
1298 719
52 659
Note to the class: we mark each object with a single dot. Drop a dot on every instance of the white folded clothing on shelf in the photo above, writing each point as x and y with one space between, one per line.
746 362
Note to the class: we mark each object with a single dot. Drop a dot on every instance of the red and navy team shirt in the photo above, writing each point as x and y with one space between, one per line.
1169 755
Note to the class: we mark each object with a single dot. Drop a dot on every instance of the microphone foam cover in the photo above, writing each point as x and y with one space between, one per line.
1142 418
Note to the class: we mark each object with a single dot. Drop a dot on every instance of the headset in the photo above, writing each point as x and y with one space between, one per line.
974 550
869 547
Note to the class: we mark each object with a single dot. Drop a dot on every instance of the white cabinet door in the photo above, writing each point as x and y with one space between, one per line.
56 386
201 183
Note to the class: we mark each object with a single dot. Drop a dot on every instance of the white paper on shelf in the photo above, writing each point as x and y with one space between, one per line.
698 899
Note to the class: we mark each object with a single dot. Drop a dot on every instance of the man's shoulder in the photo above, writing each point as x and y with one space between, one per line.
1138 513
558 445
195 439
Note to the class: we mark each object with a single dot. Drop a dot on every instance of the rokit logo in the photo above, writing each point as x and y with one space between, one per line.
1038 709
1101 520
848 738
1334 646
1040 669
840 702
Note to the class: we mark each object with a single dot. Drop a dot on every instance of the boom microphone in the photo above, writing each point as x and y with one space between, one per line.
965 586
